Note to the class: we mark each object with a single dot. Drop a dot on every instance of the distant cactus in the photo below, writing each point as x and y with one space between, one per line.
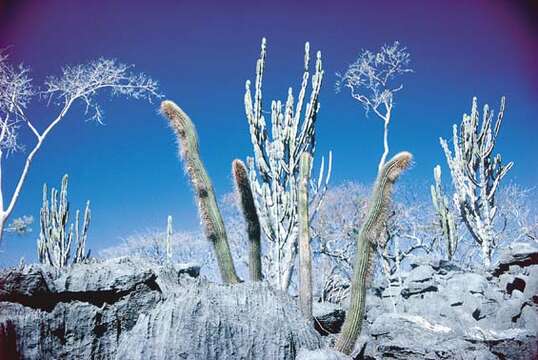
248 208
56 235
169 233
305 255
445 216
210 215
370 236
476 173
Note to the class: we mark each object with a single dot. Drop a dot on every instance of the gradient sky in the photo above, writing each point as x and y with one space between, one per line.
202 52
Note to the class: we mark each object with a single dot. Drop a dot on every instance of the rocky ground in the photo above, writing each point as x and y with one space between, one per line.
128 309
440 311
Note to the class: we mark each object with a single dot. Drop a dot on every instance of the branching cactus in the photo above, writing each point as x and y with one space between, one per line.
210 215
444 215
274 170
476 173
370 236
248 208
305 254
56 235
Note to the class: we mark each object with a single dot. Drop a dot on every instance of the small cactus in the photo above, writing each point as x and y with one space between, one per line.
445 216
210 215
169 233
248 208
305 255
370 236
56 235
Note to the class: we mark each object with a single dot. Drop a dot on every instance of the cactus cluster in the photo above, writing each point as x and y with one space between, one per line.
369 237
278 145
210 214
56 234
444 215
476 173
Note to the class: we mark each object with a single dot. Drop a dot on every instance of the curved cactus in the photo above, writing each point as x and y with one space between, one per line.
369 237
305 255
248 208
210 215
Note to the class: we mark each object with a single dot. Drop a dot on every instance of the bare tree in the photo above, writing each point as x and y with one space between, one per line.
517 219
410 230
371 81
274 169
76 84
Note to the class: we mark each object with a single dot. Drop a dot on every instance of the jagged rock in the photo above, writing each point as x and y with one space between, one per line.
441 311
516 255
129 309
322 354
328 318
419 281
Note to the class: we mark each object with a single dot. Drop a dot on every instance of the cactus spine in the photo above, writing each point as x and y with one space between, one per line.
369 237
305 255
56 235
248 208
446 219
210 215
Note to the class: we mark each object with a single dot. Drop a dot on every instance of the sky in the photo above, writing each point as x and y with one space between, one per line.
201 52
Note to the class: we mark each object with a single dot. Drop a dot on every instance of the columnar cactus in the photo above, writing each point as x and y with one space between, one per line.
476 173
169 234
248 208
275 167
444 215
305 254
210 215
56 235
370 236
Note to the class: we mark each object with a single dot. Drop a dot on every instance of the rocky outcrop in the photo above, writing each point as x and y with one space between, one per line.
129 309
440 311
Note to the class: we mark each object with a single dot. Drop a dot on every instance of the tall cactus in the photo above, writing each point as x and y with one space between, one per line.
248 208
444 215
476 173
369 237
56 235
210 215
305 254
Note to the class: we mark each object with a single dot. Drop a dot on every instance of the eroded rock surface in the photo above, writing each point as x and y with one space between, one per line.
129 309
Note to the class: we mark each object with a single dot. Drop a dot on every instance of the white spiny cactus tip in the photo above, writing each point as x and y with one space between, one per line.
437 172
264 43
307 46
247 85
318 54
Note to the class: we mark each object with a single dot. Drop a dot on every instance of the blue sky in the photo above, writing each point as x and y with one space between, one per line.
202 52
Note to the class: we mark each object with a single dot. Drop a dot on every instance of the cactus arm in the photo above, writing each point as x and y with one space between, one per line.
305 255
367 240
248 208
210 215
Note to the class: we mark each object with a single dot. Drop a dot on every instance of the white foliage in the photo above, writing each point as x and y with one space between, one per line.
79 83
371 80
